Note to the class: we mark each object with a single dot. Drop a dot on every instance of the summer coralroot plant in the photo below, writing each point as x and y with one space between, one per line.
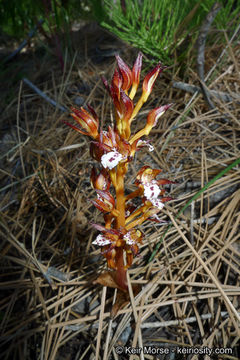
120 237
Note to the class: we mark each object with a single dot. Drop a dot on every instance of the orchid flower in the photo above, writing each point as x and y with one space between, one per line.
119 237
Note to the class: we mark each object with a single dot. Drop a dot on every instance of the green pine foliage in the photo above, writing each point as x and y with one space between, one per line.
158 27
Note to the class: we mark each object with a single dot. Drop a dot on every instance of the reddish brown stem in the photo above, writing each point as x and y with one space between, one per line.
121 274
120 198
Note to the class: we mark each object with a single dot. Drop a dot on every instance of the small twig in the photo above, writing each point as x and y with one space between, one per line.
100 326
189 320
223 96
108 336
203 36
206 95
44 96
192 222
158 324
24 43
201 49
55 273
208 221
18 131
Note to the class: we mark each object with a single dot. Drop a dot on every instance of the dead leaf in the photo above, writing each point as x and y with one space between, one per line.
122 299
107 279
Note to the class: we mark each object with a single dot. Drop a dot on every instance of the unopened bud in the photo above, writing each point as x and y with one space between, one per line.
150 79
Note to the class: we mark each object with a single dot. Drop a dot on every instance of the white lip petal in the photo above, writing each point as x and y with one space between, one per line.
142 143
111 159
128 239
155 216
101 241
157 203
151 190
150 147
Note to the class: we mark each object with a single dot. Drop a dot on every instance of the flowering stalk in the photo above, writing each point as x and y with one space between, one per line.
120 237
